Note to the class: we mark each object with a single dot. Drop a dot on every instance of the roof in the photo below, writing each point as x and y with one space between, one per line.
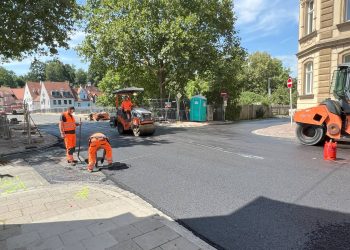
61 89
128 90
76 92
5 91
34 89
19 93
92 90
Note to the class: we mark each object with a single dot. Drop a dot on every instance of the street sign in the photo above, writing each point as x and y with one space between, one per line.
178 95
167 105
225 103
290 82
223 94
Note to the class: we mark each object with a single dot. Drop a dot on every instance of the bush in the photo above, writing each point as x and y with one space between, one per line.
247 98
233 112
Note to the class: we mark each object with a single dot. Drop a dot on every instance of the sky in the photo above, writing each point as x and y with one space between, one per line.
263 25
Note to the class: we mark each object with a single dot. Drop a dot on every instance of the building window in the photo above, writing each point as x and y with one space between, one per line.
347 10
54 102
70 101
310 17
78 104
346 58
59 102
65 102
308 78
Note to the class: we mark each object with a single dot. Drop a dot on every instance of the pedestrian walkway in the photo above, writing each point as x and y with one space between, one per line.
282 131
35 214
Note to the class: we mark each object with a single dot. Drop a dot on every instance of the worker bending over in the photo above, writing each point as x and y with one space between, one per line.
126 106
67 128
98 141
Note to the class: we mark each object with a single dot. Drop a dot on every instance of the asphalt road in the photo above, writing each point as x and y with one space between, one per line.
236 189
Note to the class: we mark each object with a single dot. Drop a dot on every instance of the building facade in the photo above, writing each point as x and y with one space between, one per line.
56 95
32 95
324 43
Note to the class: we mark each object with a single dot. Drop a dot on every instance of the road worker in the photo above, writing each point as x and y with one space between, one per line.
126 106
67 128
98 141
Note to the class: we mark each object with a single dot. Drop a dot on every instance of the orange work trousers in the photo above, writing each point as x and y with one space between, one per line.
70 141
96 145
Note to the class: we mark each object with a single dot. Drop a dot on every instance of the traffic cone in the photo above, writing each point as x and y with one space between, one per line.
330 151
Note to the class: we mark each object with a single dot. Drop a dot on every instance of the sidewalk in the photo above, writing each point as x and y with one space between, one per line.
282 131
35 214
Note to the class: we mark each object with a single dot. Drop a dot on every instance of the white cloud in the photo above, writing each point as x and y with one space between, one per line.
248 10
260 18
76 38
290 61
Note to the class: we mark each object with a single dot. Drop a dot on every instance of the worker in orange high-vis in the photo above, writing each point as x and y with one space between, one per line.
67 127
98 141
126 106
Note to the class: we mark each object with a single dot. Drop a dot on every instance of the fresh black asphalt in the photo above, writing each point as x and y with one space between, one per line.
235 189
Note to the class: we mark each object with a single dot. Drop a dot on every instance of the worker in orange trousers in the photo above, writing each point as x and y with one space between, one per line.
127 106
98 141
67 128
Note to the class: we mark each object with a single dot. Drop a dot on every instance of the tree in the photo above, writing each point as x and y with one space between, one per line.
196 87
40 26
80 77
36 71
69 73
160 44
107 85
259 67
55 71
20 81
7 78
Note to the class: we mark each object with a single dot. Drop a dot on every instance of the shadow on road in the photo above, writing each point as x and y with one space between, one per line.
271 224
125 231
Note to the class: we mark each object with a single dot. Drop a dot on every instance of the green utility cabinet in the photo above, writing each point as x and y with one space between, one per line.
198 108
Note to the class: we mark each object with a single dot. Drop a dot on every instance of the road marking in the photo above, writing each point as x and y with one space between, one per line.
226 151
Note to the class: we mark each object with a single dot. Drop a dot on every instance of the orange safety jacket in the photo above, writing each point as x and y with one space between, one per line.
69 124
126 105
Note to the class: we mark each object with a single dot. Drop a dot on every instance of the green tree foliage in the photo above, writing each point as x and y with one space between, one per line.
55 71
281 94
39 26
69 73
259 67
248 97
196 87
7 78
160 45
36 71
20 81
107 85
80 77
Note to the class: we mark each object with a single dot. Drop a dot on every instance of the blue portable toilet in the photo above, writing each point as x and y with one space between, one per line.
198 108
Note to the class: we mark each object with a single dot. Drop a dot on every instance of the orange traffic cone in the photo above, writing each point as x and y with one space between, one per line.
330 151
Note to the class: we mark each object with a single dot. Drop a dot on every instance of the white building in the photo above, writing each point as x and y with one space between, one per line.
82 98
56 95
32 95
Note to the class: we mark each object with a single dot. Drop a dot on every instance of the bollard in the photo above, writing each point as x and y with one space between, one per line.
330 151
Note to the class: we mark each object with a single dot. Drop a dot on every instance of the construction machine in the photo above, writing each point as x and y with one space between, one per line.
141 121
331 118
